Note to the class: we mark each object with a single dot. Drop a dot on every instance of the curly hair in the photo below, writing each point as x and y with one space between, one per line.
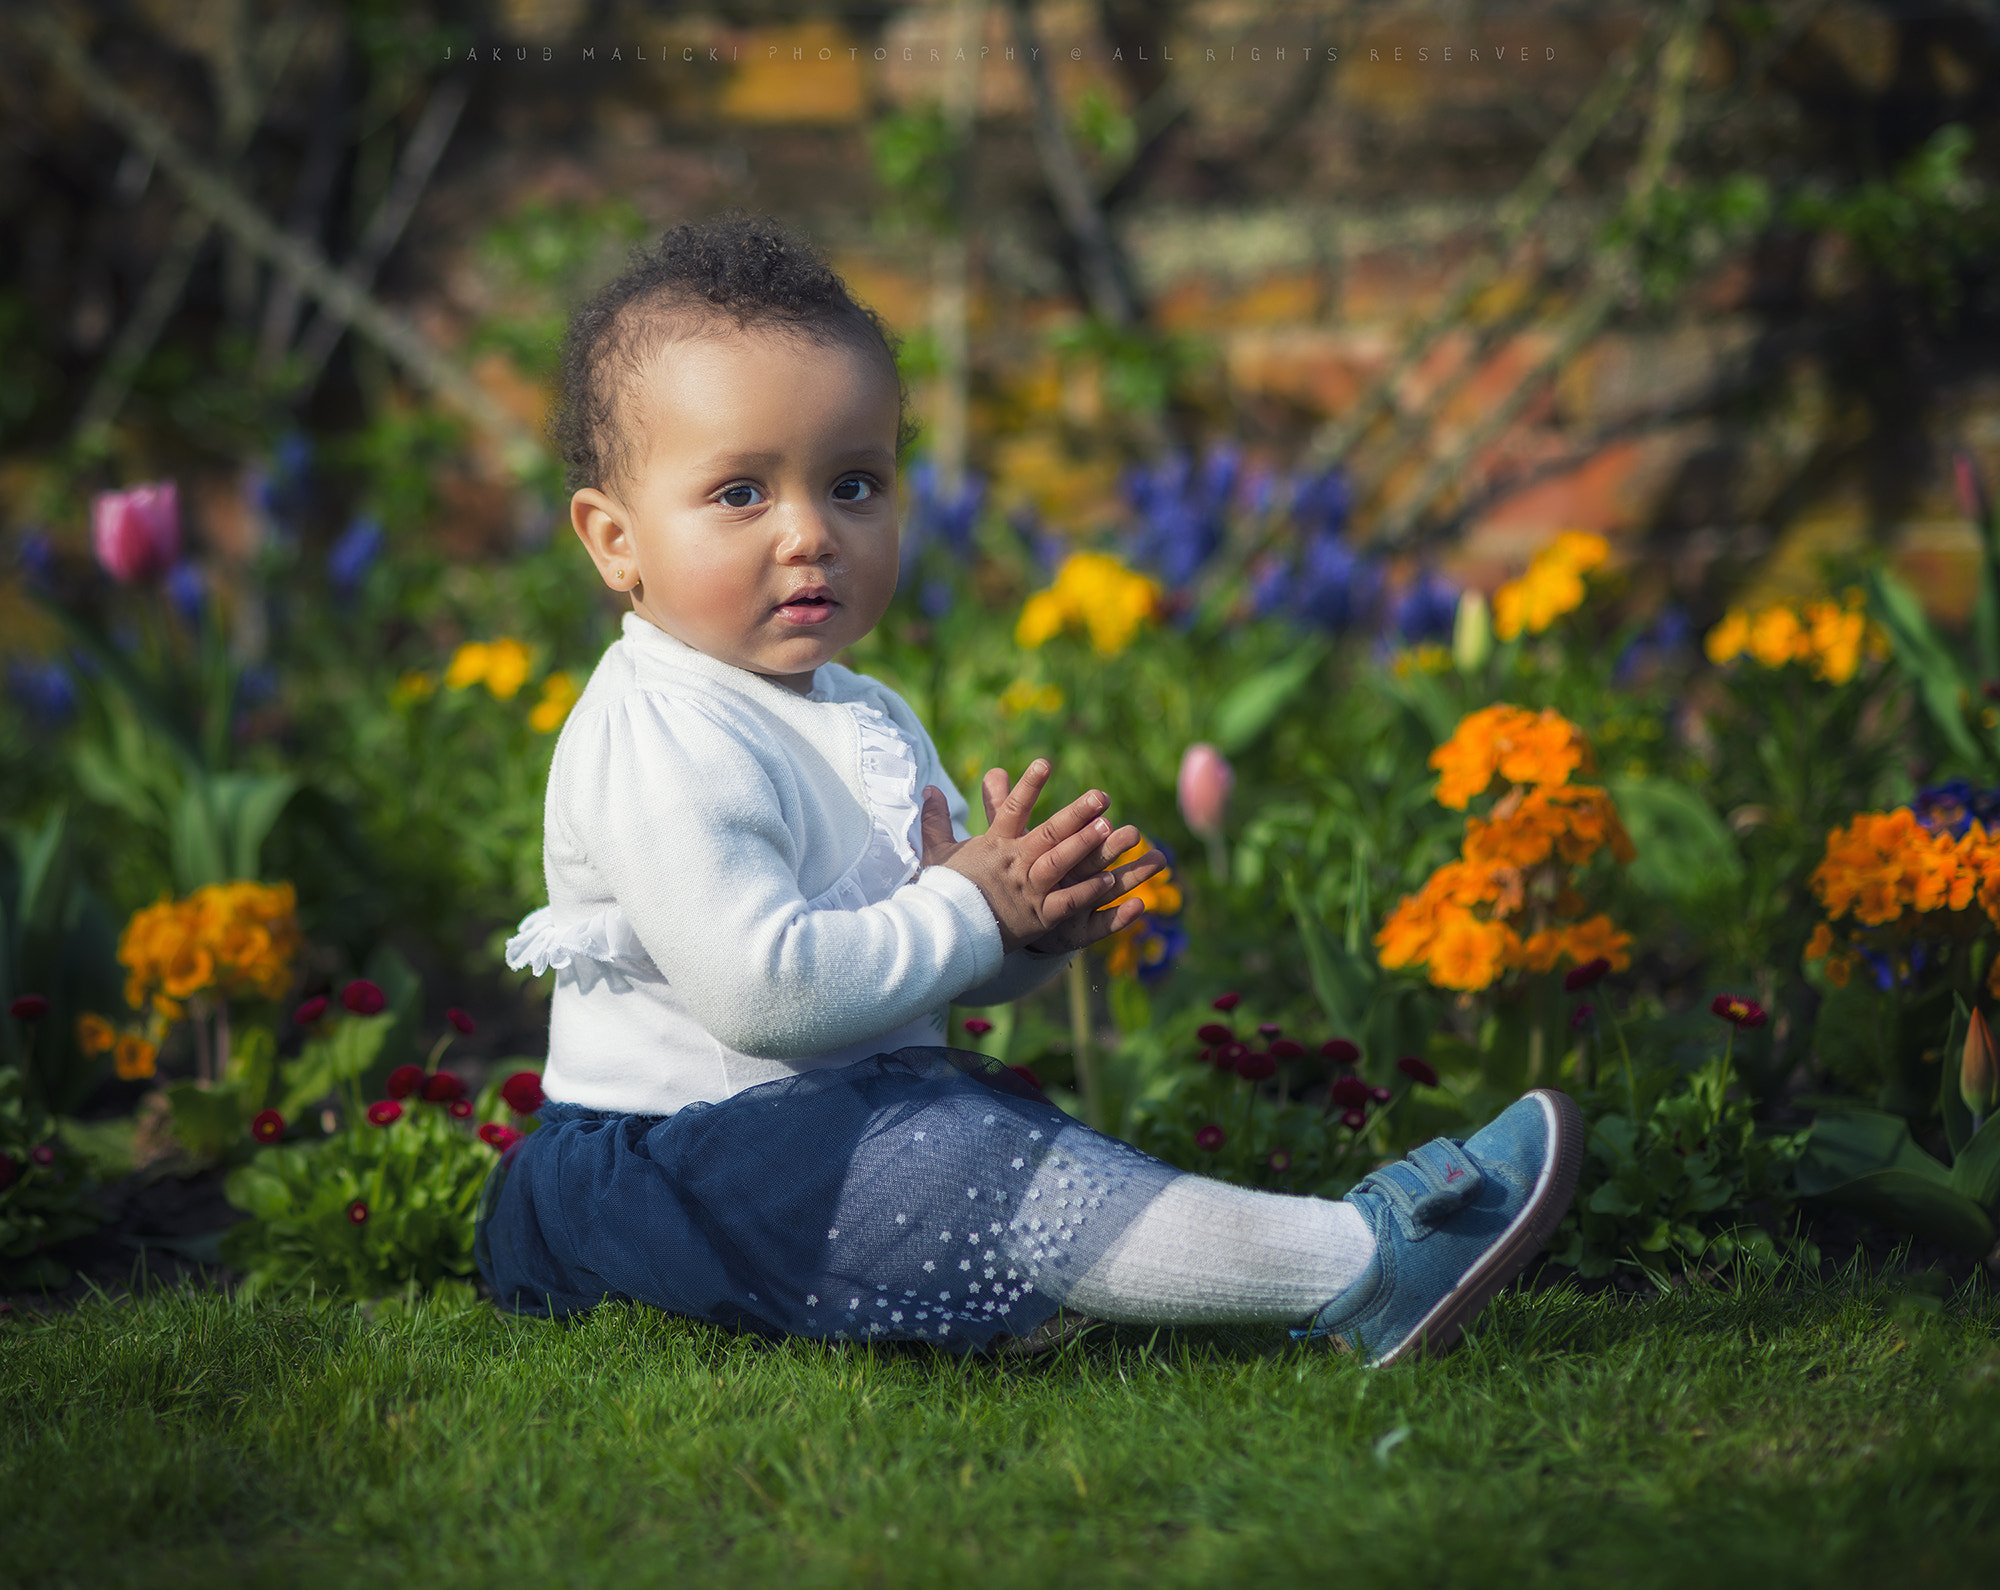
748 271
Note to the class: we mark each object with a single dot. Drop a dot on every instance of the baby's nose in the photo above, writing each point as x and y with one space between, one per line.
806 537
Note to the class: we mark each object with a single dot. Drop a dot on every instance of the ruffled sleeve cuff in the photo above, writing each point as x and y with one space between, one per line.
603 945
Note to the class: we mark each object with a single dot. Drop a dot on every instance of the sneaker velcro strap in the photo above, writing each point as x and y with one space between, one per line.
1428 1187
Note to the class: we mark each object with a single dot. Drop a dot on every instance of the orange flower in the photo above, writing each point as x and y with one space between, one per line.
95 1035
234 940
1511 742
1465 925
133 1057
1468 954
1596 938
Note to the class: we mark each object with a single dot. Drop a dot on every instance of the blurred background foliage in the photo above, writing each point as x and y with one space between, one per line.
1321 323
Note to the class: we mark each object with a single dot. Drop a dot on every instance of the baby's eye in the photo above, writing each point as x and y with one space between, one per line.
739 496
855 488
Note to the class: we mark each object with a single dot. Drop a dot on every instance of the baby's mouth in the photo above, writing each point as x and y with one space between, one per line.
813 606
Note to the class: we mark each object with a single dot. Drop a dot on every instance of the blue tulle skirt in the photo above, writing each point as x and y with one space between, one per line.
925 1195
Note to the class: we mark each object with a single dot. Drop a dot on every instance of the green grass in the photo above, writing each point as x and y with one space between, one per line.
1814 1434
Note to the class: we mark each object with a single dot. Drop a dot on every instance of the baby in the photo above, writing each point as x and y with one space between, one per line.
763 898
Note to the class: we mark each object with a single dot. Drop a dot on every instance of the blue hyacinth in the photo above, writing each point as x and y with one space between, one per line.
1425 610
44 689
933 518
285 491
1183 510
37 556
188 592
351 557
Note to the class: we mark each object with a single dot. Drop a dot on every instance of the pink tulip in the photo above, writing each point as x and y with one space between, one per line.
137 534
1205 782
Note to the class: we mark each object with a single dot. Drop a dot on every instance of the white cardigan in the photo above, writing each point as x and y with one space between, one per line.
734 884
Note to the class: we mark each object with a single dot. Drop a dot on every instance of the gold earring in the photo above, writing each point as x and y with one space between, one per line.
620 574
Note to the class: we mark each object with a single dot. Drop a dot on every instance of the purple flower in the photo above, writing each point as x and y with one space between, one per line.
1954 806
1182 511
353 555
1425 609
931 518
188 591
44 689
37 554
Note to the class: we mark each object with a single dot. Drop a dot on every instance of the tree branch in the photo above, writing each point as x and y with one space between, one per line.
163 289
1106 281
1611 279
215 196
1517 214
385 227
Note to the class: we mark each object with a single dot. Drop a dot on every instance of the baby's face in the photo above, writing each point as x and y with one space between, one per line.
759 524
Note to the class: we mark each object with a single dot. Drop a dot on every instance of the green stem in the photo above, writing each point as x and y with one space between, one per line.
1631 1087
1079 1038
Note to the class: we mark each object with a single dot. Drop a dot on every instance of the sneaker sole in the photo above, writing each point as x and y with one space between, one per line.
1529 1233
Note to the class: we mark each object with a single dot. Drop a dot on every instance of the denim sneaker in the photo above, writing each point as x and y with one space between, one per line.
1454 1222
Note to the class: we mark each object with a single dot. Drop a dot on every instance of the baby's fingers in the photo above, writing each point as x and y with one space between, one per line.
1009 819
1128 877
1087 927
993 790
1070 860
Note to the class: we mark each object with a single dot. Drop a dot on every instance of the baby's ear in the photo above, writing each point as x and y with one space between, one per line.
599 524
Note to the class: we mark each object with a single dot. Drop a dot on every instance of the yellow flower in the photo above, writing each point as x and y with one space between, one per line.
134 1058
1024 695
506 668
1729 638
1095 593
468 665
1159 894
558 696
1777 637
1552 586
94 1035
1428 658
413 686
1043 617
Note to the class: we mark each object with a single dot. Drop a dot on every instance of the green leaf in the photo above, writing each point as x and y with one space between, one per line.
1343 982
342 1053
1976 1172
253 1057
1951 1103
1684 849
1253 705
218 826
1919 1205
1921 655
1848 1144
207 1120
1131 1005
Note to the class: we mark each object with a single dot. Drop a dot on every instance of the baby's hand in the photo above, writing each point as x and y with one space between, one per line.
1043 887
1086 927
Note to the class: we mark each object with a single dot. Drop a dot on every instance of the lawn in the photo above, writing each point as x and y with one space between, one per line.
1812 1431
